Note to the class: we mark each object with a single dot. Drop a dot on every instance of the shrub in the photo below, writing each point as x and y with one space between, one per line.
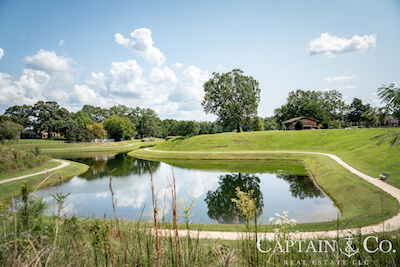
299 125
148 139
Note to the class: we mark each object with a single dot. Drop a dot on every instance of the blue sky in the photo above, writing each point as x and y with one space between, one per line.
157 54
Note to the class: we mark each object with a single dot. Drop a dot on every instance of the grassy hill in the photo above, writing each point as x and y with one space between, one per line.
352 145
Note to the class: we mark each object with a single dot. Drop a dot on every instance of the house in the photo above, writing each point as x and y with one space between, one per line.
52 134
308 123
29 134
390 121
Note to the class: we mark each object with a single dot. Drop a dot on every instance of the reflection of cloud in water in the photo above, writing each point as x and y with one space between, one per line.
101 195
202 182
131 197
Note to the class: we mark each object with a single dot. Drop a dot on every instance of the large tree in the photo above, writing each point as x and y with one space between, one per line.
118 127
232 96
148 123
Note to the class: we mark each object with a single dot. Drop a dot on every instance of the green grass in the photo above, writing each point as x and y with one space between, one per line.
48 165
13 188
352 145
360 202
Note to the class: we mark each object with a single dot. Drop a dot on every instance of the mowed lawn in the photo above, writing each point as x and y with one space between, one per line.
360 203
352 145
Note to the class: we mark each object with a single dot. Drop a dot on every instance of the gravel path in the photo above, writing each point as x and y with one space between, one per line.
387 225
62 165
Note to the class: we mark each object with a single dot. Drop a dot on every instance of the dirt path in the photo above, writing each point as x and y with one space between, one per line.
387 225
62 165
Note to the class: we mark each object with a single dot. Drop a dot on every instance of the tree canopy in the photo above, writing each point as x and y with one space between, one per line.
232 96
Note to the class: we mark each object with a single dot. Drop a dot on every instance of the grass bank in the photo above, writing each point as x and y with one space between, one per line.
13 188
352 145
360 203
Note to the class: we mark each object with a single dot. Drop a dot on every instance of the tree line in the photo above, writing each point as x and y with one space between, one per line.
232 96
118 122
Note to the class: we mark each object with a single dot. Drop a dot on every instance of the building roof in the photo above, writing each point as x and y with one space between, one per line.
299 118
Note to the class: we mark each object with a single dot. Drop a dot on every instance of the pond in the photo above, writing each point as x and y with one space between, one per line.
278 186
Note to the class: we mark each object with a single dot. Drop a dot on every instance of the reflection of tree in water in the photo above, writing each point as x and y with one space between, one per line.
220 205
301 186
124 165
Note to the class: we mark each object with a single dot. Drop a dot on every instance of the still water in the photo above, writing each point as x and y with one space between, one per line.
278 187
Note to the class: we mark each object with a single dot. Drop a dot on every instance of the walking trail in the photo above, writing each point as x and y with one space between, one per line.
387 225
62 165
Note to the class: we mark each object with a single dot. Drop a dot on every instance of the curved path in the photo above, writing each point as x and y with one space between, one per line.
62 165
387 225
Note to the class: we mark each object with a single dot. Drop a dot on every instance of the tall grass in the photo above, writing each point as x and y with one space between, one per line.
28 238
13 159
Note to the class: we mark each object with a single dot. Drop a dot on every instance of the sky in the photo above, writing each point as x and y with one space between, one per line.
158 54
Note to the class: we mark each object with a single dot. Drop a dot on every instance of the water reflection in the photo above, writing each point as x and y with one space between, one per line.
219 201
301 186
211 184
124 165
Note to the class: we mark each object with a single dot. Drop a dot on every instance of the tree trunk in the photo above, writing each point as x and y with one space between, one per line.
238 128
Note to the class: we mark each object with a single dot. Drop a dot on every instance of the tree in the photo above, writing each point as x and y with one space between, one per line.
118 127
257 124
47 114
233 97
299 125
270 123
96 114
97 129
10 130
323 106
149 123
20 114
83 119
390 95
356 109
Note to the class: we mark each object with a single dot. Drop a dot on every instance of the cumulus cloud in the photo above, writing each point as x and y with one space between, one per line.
62 42
189 92
339 78
173 92
177 65
48 61
162 75
331 46
1 53
142 45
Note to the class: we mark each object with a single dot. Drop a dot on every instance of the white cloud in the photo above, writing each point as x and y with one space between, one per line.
177 65
346 87
189 92
339 78
330 45
162 75
62 42
48 61
83 94
1 53
143 45
98 81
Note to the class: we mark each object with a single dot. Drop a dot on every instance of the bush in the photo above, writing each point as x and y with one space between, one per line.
148 139
212 131
299 125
